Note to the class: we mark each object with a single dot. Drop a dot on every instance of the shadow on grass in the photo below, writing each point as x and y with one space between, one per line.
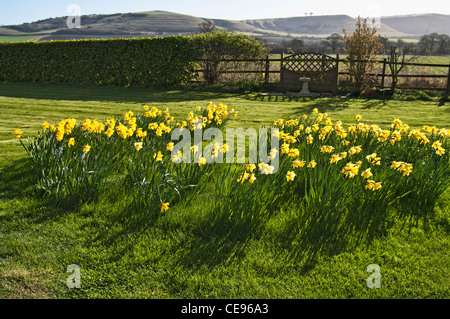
328 104
308 235
444 99
77 92
217 242
210 241
209 238
18 182
15 178
307 104
324 103
374 103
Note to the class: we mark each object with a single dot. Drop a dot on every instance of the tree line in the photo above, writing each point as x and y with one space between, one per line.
428 44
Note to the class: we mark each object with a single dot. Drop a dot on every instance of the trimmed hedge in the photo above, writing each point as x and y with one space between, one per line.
141 62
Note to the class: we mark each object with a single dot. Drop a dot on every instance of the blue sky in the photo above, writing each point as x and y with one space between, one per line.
19 11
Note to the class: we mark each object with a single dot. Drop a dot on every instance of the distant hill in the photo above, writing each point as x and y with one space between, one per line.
317 25
418 25
162 23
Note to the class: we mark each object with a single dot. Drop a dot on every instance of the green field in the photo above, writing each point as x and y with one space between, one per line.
17 38
188 254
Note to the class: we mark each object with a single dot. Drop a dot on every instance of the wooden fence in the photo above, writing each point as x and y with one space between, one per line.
268 70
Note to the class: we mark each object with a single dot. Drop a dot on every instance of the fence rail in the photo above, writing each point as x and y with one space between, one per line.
271 66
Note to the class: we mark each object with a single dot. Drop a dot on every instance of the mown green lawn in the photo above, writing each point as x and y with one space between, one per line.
188 254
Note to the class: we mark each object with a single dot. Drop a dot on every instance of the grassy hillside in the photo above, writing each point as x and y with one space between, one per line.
143 23
316 25
160 23
419 25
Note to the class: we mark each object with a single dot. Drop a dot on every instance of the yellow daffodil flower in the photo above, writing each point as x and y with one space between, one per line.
335 158
402 167
159 156
285 148
367 173
17 133
294 152
312 164
194 148
138 146
266 169
440 151
297 163
164 207
373 159
327 149
273 153
59 135
290 176
436 145
243 177
140 133
201 161
372 185
350 170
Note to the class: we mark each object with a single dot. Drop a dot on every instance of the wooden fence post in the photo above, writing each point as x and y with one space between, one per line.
384 73
267 70
337 70
447 90
281 68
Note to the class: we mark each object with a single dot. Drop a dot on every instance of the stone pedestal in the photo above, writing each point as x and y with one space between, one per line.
305 85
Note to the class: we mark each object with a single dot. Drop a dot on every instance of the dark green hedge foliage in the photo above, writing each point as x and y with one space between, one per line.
141 62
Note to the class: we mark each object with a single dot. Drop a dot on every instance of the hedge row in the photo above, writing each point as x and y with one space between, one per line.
136 62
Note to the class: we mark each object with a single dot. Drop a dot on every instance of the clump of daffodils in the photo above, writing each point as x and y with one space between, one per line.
312 148
404 168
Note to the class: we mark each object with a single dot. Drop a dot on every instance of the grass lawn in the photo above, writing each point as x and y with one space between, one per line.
188 254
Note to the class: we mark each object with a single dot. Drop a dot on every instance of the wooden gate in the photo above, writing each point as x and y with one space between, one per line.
321 69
